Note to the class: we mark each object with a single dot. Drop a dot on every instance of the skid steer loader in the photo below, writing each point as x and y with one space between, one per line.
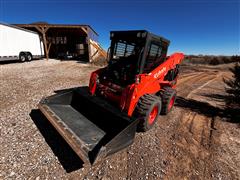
126 96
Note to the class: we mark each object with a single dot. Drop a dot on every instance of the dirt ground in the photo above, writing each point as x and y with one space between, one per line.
194 141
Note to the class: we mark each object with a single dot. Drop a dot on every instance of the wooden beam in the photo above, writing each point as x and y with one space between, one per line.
43 30
104 54
84 30
39 29
45 45
49 46
98 50
94 54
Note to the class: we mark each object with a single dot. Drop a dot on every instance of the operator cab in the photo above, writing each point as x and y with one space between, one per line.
132 53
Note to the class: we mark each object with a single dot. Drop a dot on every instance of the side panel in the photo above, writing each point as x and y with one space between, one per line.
14 40
151 83
93 80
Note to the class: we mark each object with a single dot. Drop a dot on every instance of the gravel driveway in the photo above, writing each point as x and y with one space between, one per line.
24 152
192 142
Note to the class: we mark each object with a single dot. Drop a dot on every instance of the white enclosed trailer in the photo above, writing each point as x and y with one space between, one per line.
19 44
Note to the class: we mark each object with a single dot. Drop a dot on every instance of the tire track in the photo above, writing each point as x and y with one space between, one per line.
190 85
156 152
195 137
202 86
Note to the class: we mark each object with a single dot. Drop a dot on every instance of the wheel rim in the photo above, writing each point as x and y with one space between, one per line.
171 103
22 58
29 58
153 114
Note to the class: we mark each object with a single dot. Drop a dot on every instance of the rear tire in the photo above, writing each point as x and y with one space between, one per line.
22 57
147 111
29 57
168 99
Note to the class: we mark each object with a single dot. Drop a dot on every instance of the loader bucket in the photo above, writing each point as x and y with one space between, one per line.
91 126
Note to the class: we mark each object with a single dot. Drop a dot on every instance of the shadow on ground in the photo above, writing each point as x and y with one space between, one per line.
216 97
9 62
66 156
226 114
16 61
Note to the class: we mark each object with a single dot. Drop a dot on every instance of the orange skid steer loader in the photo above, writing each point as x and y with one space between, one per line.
126 96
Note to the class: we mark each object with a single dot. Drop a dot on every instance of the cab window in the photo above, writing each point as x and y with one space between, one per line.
155 56
123 49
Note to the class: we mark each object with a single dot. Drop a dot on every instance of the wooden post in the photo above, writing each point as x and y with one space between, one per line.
43 30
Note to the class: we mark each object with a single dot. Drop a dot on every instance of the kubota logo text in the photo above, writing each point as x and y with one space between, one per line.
159 73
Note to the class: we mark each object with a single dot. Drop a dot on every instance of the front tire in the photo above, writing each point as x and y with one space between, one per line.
147 111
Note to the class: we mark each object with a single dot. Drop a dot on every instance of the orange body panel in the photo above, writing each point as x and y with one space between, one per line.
150 83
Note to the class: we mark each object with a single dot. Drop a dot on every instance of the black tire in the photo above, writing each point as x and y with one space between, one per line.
168 99
22 57
28 57
146 105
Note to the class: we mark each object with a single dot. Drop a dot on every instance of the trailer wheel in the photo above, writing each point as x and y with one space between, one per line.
168 99
22 57
147 111
29 57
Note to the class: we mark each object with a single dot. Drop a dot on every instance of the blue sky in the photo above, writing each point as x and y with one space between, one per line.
192 26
